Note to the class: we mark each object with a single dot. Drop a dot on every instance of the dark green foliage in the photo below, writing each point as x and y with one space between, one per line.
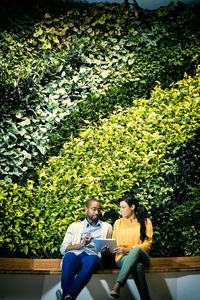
82 76
140 148
57 77
178 219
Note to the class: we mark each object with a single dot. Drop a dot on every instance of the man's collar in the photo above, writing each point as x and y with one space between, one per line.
88 224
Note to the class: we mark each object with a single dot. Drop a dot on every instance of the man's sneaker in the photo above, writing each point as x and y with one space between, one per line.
68 297
58 295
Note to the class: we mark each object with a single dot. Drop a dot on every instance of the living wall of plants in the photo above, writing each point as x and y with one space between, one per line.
97 100
53 74
133 149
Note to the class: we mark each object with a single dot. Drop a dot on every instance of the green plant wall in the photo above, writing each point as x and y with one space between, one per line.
80 118
135 148
58 73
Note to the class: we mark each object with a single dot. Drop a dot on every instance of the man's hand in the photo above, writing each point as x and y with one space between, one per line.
85 242
105 250
87 239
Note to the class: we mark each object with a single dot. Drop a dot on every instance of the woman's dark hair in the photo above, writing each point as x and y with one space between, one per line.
140 211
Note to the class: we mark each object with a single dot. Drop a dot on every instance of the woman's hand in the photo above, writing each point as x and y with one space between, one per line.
121 250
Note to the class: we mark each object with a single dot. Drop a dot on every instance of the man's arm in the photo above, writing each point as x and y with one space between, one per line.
109 233
85 242
106 231
67 241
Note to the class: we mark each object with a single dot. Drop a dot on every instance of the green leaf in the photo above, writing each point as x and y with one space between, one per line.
25 249
25 122
38 32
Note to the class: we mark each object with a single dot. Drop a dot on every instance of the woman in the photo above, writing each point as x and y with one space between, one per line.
133 233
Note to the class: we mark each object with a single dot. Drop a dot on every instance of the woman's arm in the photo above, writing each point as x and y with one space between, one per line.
146 245
121 250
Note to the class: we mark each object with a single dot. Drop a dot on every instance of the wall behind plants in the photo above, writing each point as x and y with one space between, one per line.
146 4
139 148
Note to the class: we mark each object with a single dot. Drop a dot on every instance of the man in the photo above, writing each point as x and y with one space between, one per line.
80 258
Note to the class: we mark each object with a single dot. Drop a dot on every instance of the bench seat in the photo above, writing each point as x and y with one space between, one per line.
52 266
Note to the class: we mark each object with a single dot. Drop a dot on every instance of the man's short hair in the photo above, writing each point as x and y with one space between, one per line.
90 200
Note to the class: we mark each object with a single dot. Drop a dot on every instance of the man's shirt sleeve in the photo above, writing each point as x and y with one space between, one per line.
67 240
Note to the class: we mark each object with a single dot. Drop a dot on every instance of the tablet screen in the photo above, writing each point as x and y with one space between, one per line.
99 243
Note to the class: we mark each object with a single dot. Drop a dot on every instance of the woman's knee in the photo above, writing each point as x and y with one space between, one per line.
140 256
135 252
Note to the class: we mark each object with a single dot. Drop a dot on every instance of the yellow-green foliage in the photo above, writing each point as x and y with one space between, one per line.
131 146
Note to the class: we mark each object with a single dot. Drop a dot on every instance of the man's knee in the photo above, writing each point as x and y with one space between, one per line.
93 261
69 258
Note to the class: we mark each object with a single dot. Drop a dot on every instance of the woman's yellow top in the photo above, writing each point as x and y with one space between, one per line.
127 234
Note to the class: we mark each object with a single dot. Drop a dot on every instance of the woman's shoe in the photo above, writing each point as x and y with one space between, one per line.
114 294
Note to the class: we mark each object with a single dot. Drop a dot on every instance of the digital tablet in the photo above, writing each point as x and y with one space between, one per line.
99 243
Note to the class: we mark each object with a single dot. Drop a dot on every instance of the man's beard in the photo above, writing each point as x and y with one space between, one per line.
93 219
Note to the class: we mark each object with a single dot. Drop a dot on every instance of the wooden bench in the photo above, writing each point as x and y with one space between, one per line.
52 266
